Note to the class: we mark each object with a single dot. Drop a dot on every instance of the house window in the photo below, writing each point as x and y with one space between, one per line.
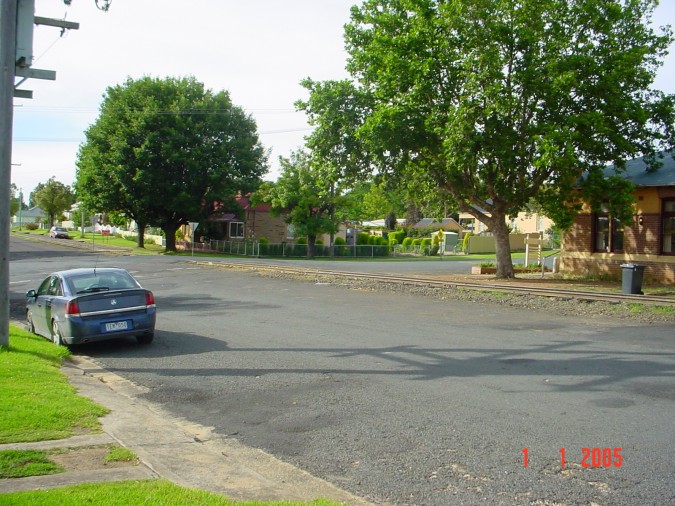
608 235
668 239
236 230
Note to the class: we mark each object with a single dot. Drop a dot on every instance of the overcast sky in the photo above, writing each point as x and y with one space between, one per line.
257 50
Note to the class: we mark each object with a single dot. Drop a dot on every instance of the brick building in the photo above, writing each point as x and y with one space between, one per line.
597 244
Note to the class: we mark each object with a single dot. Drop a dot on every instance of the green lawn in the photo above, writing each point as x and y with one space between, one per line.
37 403
98 239
151 492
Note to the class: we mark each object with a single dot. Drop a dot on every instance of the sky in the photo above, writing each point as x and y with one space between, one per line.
257 50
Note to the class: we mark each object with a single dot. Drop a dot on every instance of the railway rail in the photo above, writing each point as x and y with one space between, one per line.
452 284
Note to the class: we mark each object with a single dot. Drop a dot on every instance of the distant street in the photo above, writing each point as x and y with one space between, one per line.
400 399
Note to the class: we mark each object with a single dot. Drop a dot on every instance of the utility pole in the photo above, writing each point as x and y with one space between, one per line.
17 18
7 64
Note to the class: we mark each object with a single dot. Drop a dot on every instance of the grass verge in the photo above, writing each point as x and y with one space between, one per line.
37 402
155 492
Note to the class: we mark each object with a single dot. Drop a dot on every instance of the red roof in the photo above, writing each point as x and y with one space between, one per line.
245 202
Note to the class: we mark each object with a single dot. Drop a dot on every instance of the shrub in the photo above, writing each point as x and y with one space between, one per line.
425 245
32 226
339 241
362 238
416 242
398 235
407 241
465 241
301 240
263 246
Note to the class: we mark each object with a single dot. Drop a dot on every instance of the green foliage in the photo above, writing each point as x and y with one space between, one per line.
124 493
398 235
53 198
306 195
554 235
465 242
32 226
301 240
339 241
362 238
22 463
496 104
37 401
14 202
170 138
408 241
120 454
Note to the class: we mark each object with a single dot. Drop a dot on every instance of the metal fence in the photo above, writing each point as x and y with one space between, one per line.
288 250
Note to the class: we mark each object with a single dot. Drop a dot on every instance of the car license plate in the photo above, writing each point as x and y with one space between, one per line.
112 327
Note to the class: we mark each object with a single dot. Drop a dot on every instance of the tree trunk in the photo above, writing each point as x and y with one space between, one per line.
140 236
311 241
170 237
501 234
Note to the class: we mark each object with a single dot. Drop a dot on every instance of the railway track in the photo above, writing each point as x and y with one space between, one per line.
453 284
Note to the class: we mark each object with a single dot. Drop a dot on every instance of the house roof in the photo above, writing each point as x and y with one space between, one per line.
636 171
445 224
245 202
381 223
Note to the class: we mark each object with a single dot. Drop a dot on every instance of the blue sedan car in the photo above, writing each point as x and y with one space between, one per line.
94 304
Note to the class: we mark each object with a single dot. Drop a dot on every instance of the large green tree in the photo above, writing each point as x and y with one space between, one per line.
497 102
304 196
15 200
165 151
53 198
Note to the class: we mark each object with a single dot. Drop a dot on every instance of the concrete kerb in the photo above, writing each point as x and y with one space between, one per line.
187 454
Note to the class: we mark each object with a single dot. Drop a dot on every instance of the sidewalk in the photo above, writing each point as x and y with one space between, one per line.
186 454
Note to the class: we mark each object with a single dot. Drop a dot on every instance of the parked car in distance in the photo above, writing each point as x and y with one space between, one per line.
59 233
91 304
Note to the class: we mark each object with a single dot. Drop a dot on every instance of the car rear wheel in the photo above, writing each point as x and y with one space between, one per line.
145 338
56 334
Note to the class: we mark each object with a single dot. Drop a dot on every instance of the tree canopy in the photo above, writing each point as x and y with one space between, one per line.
304 196
15 198
165 151
497 103
53 198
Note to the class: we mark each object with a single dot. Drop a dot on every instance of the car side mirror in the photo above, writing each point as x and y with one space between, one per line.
31 293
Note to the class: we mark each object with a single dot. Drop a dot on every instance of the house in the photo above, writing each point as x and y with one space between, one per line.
258 222
253 222
32 215
598 244
523 223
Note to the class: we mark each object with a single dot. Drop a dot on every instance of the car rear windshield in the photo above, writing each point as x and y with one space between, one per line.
101 281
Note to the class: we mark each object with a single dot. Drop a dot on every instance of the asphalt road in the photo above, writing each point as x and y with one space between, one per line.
401 399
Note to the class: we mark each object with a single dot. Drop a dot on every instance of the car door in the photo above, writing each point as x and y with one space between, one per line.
38 308
52 304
